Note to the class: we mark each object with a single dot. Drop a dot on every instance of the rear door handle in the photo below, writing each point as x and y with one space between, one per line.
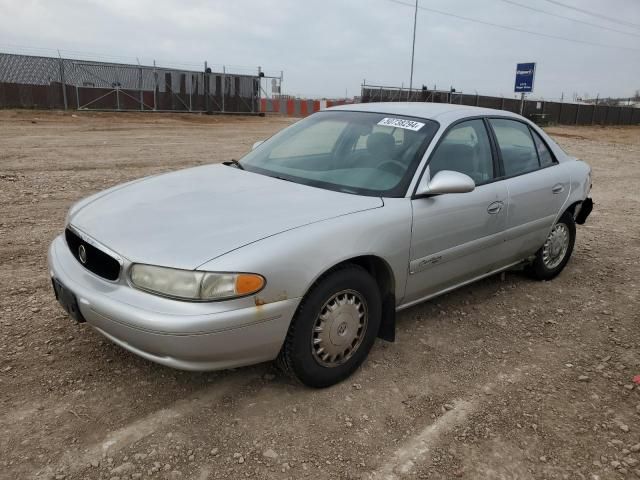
495 207
559 188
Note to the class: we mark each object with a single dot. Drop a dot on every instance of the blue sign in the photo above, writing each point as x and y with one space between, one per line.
524 77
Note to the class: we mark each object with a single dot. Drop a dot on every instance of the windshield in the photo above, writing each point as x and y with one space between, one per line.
355 152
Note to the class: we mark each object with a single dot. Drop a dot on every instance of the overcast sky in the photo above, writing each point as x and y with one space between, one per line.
328 46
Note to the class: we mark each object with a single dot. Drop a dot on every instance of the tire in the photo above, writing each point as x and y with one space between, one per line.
547 265
339 304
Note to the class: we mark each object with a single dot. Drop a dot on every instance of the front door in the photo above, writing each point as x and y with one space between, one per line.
457 237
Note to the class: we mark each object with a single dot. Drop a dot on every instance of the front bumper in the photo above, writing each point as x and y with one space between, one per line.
183 335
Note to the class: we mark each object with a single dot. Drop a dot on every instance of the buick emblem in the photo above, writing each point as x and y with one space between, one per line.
82 254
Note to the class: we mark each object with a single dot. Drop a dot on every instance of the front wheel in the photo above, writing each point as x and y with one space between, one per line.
557 249
333 329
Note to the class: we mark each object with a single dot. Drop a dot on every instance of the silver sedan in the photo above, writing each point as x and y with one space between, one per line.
304 250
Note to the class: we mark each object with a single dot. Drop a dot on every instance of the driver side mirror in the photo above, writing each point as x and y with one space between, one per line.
257 144
446 181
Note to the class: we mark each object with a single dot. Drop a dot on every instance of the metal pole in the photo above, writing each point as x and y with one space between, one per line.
224 84
259 93
205 79
560 110
140 88
413 48
63 82
155 86
593 114
521 103
190 90
77 98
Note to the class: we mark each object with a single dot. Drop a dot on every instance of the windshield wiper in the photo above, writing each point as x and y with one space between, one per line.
282 178
235 163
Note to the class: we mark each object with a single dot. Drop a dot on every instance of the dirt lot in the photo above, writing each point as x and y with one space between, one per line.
504 379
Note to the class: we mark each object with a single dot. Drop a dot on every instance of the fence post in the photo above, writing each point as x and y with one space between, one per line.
224 84
593 114
257 95
501 103
63 81
205 79
477 99
155 87
577 113
140 88
77 98
560 111
190 90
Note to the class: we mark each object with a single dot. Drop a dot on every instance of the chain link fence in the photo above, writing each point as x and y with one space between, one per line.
540 111
61 83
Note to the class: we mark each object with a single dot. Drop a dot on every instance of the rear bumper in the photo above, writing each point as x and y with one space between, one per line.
183 335
583 211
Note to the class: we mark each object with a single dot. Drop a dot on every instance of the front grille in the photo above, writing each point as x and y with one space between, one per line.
96 261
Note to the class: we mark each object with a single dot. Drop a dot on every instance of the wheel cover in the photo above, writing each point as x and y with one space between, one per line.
339 328
556 246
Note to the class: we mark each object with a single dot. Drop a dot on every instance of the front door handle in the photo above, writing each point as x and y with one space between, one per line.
495 207
558 188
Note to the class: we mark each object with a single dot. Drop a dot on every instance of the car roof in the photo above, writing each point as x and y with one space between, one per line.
442 112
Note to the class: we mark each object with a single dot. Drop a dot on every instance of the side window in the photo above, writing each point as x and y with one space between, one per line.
465 149
516 146
545 155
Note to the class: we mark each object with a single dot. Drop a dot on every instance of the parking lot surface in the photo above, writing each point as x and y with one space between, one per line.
507 378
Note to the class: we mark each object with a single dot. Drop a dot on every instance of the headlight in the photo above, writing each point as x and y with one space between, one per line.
194 285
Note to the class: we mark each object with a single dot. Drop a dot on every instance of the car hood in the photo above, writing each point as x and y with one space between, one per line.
185 218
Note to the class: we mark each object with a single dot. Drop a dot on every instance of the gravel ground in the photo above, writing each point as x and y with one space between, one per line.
507 378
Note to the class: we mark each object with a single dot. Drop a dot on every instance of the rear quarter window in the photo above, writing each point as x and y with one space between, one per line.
544 154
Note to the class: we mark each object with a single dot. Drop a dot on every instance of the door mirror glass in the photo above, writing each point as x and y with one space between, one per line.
257 144
447 181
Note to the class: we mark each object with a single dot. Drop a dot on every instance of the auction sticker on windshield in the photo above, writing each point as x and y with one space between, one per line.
401 123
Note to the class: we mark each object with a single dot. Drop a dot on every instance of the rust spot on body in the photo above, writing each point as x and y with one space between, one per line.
278 298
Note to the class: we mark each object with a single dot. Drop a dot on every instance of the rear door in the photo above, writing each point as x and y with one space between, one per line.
538 186
456 237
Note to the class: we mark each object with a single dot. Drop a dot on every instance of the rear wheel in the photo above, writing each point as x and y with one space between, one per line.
334 328
557 249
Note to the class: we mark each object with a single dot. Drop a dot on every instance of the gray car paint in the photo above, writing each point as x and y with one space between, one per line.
182 219
218 218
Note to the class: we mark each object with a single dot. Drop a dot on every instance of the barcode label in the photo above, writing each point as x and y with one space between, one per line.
401 123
